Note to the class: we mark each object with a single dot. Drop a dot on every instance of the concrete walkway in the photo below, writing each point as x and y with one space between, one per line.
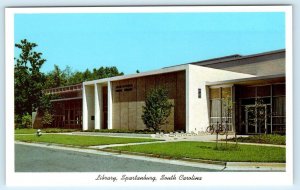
128 144
167 138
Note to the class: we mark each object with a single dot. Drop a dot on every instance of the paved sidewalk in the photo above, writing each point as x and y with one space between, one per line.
255 166
167 138
128 144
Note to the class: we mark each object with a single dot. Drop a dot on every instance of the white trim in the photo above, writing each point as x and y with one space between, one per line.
147 73
150 9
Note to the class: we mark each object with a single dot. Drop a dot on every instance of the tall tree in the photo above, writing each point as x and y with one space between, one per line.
102 72
56 78
29 81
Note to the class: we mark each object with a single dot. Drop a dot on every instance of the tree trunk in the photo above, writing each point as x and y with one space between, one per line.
217 139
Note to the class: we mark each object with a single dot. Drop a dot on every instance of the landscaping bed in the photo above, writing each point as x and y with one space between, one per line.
45 130
264 139
207 151
78 140
145 131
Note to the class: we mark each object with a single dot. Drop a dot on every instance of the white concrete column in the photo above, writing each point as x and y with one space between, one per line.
97 106
84 109
88 107
187 102
109 105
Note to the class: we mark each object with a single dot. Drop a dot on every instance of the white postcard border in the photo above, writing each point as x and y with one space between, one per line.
88 179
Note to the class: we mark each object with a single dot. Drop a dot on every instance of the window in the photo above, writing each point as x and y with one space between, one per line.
278 117
220 106
126 87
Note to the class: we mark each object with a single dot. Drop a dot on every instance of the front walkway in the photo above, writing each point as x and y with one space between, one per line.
171 138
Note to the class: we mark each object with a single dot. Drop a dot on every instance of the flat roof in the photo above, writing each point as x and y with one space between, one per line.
237 59
217 63
142 74
251 80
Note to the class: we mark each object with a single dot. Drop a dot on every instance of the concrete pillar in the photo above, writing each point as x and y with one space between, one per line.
84 109
88 107
98 99
187 102
109 105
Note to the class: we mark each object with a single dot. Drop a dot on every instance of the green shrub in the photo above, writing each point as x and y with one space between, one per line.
58 130
264 139
26 121
18 121
144 131
157 108
47 119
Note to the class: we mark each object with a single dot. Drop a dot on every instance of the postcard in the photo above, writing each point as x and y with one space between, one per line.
165 95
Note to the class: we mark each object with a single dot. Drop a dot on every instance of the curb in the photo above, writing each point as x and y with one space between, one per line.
221 163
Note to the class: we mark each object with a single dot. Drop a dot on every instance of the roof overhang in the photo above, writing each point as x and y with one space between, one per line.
148 73
251 81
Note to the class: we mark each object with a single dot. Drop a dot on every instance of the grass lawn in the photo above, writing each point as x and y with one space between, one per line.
265 139
45 130
207 151
78 140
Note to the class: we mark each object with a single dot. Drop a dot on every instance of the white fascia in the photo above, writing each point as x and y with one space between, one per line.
148 73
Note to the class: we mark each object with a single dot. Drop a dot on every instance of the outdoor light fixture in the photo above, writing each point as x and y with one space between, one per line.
199 92
38 133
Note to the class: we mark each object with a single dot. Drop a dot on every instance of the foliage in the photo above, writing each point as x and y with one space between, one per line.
58 77
26 121
227 108
207 151
78 140
145 131
157 108
265 139
44 130
18 121
29 81
47 118
45 104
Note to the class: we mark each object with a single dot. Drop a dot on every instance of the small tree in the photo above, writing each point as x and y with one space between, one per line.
157 108
259 114
227 105
47 119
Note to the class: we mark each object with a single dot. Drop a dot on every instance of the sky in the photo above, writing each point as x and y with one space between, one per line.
147 41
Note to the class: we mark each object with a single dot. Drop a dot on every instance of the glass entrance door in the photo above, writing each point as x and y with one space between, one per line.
256 119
